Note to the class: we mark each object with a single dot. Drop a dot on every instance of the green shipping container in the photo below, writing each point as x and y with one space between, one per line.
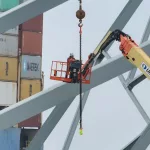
8 4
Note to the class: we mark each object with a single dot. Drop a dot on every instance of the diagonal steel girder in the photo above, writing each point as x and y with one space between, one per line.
137 104
146 32
131 144
143 141
119 23
131 95
63 91
144 39
32 8
136 81
131 84
35 144
51 122
48 126
26 11
134 100
75 123
122 20
122 17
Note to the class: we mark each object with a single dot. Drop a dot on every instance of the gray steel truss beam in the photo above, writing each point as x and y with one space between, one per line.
119 23
131 144
25 11
138 105
144 39
136 81
63 91
125 14
122 20
131 75
49 125
144 140
131 94
25 19
75 123
76 119
146 32
51 122
135 101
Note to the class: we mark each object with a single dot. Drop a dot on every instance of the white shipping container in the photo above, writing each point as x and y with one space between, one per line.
31 67
13 31
8 45
8 94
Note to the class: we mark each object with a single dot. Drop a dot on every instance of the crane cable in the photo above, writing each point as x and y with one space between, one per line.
80 14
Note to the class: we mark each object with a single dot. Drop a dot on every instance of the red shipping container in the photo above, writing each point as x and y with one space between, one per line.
30 43
35 121
34 25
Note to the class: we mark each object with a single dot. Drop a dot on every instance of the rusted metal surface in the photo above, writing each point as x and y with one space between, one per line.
34 25
32 122
30 43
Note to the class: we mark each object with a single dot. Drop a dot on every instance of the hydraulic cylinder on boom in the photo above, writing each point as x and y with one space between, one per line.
131 51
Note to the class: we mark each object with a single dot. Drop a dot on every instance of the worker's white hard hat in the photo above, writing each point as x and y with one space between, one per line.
71 54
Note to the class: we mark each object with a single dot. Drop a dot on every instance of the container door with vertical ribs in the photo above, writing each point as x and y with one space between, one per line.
8 69
28 88
31 43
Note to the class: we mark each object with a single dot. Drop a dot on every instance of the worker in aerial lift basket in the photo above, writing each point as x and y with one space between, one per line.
73 67
69 60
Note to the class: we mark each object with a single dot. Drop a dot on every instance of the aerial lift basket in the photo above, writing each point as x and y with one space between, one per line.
59 70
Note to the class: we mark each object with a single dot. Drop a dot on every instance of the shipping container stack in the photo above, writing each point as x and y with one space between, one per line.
20 74
8 67
30 79
8 60
8 77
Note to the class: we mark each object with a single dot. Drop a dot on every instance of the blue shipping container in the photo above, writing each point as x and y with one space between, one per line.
10 139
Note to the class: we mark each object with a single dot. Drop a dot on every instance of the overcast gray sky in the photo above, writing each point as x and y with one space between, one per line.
110 119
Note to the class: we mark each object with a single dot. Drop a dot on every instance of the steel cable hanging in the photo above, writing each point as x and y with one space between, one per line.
80 14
